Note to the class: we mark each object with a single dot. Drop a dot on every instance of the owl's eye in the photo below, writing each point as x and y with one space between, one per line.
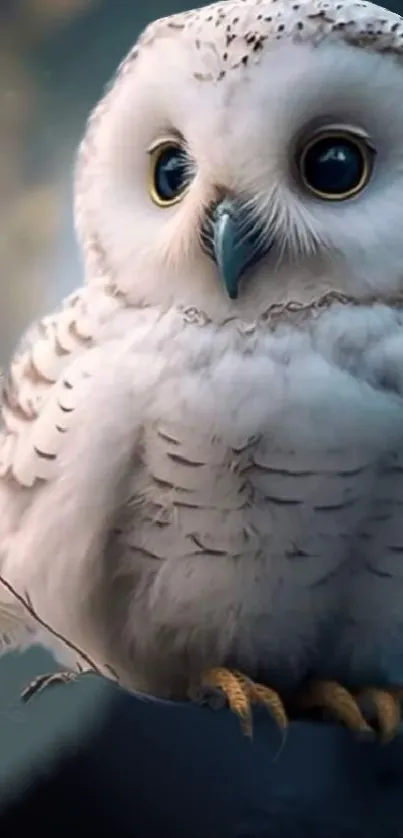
169 173
335 165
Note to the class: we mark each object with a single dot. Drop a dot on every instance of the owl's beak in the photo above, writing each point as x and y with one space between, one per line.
234 238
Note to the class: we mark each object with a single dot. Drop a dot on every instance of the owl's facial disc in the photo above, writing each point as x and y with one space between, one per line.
234 238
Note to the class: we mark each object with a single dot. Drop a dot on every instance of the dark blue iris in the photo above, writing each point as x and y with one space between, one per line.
334 166
170 174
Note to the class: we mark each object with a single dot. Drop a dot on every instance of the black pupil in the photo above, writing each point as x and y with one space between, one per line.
170 173
334 166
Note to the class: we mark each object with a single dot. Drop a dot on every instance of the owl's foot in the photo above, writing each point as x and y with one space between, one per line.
385 705
222 685
43 681
337 701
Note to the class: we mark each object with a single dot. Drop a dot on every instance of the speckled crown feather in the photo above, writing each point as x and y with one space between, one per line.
239 29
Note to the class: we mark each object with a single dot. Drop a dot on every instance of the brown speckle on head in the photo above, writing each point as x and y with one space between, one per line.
174 25
259 43
257 21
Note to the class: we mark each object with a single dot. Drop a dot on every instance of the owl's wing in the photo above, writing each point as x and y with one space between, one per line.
45 352
71 417
30 431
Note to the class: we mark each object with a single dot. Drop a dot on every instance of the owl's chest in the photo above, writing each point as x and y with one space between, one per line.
236 463
204 496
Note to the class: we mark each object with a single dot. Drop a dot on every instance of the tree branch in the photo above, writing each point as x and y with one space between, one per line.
26 603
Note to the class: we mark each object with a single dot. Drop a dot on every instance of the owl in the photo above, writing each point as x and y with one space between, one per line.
202 449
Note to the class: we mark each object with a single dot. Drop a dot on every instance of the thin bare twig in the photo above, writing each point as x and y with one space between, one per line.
26 603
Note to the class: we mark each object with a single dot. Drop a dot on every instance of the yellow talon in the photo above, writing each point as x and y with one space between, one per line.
270 699
387 706
235 692
240 692
329 695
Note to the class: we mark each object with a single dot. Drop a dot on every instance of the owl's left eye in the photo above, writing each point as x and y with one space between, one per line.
335 164
168 174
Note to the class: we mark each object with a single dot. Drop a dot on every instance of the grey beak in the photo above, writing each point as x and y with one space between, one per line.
233 237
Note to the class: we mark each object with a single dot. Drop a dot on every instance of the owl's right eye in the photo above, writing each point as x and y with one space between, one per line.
335 164
168 174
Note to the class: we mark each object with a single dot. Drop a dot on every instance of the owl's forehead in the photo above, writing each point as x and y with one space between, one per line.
227 35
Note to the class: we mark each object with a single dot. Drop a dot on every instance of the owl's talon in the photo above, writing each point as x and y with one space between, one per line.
386 705
260 694
43 681
241 692
331 696
234 688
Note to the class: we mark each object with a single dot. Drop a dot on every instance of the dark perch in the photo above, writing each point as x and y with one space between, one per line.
90 756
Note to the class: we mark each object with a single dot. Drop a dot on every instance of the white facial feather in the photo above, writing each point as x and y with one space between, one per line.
241 81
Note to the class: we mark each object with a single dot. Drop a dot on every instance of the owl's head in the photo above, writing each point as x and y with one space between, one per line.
247 153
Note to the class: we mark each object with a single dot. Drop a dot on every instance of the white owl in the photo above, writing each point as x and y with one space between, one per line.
202 451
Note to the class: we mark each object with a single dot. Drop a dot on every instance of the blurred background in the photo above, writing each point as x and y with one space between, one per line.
55 58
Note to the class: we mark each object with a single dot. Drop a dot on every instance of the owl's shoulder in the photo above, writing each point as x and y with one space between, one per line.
39 362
